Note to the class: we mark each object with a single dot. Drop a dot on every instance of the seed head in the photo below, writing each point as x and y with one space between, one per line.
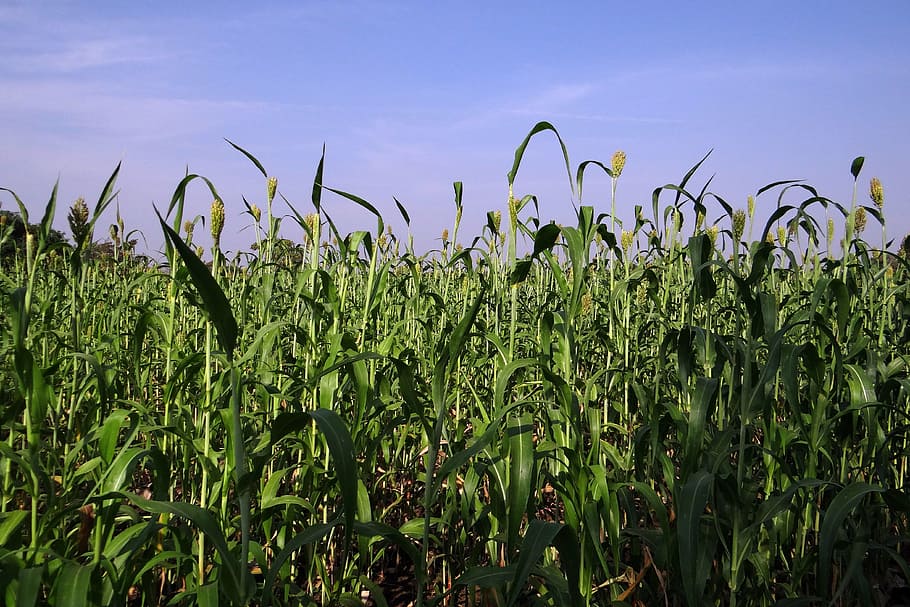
3 219
739 224
29 245
859 220
699 220
256 212
830 229
188 227
217 213
497 221
587 304
626 239
782 236
712 234
876 192
618 163
115 232
769 237
271 188
78 220
641 294
513 210
750 204
445 235
312 223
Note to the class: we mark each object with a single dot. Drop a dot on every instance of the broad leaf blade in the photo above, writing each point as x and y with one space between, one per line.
213 298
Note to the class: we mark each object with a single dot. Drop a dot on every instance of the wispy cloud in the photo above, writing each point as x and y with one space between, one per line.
100 80
53 42
89 107
76 55
555 98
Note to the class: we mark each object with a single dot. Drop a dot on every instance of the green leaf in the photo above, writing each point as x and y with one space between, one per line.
459 335
520 272
360 201
207 595
110 432
250 156
856 166
566 542
178 199
308 536
317 181
213 298
396 537
29 586
520 432
693 497
341 446
702 403
205 523
519 152
862 387
9 523
580 173
538 537
403 211
841 506
44 228
459 191
486 577
71 588
459 459
545 238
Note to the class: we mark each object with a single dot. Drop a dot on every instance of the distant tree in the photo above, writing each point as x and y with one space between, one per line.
12 234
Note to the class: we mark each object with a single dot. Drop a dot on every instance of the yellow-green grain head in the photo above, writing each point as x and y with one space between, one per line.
877 193
626 239
271 187
217 219
513 209
497 222
860 219
618 163
712 234
739 224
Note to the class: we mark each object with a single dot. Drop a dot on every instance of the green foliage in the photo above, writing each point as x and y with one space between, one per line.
671 414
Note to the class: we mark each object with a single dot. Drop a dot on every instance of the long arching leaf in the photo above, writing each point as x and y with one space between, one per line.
213 298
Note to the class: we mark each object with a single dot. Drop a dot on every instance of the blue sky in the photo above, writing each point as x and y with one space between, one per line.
411 96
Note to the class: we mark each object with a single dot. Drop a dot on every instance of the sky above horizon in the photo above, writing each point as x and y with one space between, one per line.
409 97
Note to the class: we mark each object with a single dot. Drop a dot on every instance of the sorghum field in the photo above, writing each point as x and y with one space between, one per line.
687 407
